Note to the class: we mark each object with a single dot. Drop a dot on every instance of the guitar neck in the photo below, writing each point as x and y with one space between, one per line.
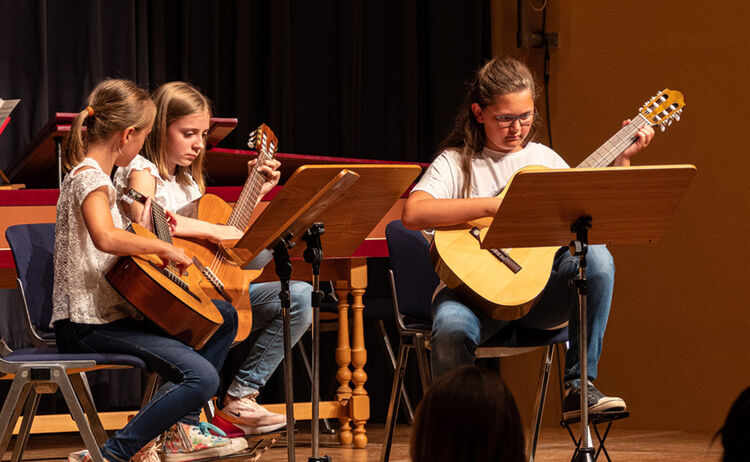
243 209
159 220
613 147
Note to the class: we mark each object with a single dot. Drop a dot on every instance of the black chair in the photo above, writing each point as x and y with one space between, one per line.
43 369
413 282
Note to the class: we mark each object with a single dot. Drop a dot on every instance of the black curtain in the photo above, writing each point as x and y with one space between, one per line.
367 79
364 79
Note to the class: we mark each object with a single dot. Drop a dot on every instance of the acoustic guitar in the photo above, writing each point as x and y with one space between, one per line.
223 278
505 283
175 303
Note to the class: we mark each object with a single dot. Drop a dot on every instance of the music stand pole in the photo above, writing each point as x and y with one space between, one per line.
579 247
314 255
284 272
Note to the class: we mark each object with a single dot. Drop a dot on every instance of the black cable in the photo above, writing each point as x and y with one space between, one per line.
546 74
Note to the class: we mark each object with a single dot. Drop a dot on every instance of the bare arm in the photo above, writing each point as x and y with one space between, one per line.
145 183
423 211
110 239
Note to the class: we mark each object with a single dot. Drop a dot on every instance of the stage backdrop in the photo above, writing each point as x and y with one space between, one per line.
378 79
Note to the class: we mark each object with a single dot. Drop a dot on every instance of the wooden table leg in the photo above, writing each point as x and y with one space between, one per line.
343 358
356 401
360 406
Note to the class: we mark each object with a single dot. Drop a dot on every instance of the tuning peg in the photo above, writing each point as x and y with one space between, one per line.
669 122
662 127
677 117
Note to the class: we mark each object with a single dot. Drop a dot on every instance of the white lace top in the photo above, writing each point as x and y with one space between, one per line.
169 194
81 293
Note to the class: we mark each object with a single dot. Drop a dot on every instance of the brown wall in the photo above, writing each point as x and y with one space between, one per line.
677 347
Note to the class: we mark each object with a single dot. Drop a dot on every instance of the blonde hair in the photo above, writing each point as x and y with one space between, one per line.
499 76
113 105
175 100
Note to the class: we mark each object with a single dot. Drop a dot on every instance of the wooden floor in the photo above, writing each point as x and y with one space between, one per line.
555 445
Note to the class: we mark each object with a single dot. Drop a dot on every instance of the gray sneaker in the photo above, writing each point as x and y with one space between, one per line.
598 402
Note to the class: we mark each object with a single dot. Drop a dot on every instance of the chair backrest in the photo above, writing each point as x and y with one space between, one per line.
33 247
415 279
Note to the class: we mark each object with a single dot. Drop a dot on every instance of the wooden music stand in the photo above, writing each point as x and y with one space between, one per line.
6 107
347 218
39 165
621 205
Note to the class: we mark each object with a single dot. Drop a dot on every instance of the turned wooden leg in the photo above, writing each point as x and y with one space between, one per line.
343 359
360 405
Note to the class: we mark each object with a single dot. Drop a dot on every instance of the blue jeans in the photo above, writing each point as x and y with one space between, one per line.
457 330
268 350
193 376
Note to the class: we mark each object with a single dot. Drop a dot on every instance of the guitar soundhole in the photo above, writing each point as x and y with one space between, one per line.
174 278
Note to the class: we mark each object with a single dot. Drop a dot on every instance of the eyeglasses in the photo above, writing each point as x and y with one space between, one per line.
526 119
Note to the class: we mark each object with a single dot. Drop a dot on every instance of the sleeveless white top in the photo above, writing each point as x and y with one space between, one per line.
81 293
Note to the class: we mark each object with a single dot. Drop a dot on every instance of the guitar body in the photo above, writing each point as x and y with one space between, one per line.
182 309
488 283
236 280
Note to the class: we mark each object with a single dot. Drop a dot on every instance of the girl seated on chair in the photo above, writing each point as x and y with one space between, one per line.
171 172
90 316
490 141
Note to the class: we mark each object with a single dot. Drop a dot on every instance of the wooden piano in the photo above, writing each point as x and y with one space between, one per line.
226 171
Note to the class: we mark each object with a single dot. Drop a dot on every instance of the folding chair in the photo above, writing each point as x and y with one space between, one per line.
413 282
43 369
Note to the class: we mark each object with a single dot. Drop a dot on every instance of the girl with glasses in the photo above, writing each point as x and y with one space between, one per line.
490 141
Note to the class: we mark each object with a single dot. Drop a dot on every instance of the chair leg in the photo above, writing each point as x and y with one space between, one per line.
29 411
82 389
152 384
390 421
424 365
540 397
60 376
392 357
17 395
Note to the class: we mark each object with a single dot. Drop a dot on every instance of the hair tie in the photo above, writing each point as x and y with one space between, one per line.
90 110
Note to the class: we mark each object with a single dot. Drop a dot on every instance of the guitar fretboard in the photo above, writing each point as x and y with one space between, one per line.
614 146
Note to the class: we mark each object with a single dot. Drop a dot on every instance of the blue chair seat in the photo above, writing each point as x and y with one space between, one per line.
42 354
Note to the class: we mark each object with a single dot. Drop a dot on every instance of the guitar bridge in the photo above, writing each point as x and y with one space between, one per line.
500 254
212 278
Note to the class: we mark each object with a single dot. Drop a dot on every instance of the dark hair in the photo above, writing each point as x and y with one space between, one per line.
736 429
113 105
499 76
175 100
468 414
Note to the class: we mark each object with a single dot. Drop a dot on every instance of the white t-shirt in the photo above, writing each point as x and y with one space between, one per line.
81 293
170 194
491 171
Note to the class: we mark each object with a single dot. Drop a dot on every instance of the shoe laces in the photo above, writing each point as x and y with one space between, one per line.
206 428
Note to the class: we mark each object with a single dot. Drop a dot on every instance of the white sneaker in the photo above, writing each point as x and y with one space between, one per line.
247 415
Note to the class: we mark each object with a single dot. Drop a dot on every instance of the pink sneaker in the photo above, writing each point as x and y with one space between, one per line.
148 453
247 416
80 456
184 442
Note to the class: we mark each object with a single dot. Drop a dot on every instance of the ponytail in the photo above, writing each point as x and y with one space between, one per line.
113 105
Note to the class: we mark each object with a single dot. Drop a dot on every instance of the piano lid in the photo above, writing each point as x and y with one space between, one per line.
228 167
37 164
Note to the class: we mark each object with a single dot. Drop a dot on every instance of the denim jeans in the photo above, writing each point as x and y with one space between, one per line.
193 376
268 350
457 330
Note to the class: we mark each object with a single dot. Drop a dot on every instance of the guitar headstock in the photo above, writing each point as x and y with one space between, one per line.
263 141
663 108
